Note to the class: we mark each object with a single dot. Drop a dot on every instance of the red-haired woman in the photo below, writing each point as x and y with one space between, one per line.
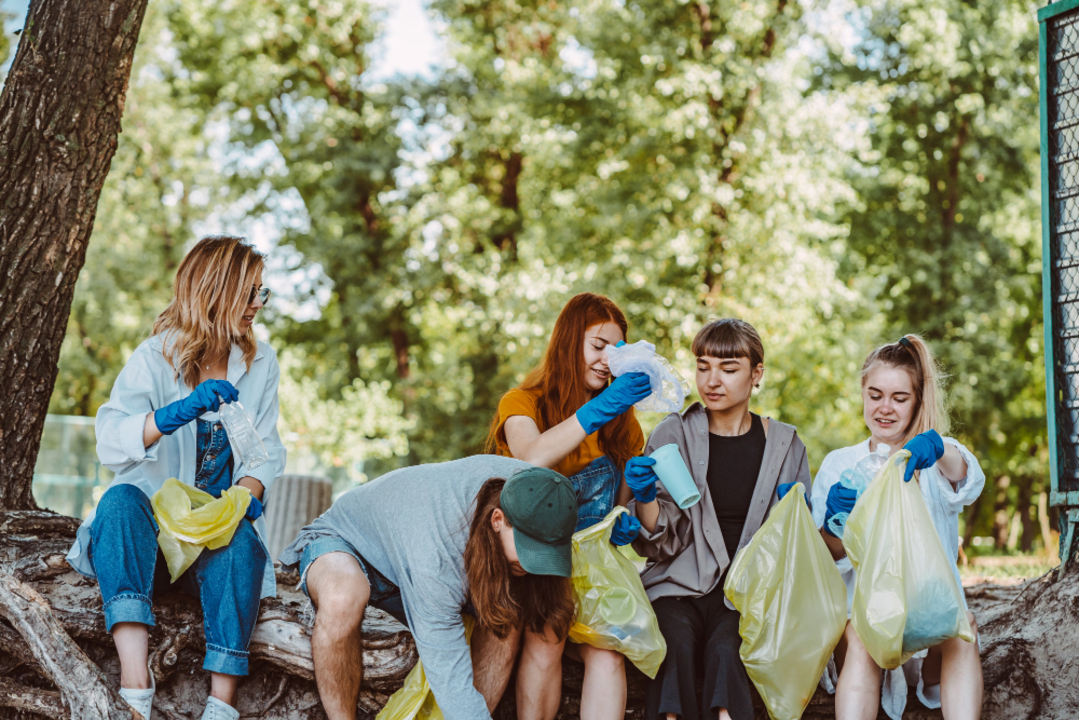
567 415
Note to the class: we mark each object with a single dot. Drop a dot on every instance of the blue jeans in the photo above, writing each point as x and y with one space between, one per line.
595 487
131 570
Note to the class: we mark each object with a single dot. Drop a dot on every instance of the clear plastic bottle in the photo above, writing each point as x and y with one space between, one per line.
858 479
244 440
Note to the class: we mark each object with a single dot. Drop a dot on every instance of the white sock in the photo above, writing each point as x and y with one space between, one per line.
141 700
218 710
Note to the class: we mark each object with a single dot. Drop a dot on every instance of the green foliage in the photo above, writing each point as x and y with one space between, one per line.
689 160
948 215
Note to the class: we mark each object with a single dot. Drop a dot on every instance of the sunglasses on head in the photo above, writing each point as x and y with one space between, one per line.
263 294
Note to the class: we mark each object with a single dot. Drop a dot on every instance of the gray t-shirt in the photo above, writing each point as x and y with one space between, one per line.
412 525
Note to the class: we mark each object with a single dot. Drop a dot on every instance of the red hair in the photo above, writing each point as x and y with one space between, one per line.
559 379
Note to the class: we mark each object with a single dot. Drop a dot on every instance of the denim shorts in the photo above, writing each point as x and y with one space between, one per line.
384 594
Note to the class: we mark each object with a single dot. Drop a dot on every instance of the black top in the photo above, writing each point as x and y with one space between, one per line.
733 466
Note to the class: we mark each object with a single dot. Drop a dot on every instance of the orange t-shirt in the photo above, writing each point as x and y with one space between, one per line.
523 402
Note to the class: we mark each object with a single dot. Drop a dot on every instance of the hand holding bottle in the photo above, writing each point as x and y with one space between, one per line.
207 397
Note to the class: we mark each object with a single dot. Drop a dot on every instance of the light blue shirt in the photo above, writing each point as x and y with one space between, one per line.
148 383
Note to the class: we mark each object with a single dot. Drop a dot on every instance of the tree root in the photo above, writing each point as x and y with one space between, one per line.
81 683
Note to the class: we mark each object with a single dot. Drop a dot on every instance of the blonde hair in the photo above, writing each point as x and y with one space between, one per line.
913 355
212 288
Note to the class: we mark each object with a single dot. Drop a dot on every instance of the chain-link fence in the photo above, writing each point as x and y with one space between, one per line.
1062 58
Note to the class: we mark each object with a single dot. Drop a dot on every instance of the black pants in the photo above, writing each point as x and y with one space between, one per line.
702 639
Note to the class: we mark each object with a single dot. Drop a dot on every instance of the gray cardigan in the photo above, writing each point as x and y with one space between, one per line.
686 554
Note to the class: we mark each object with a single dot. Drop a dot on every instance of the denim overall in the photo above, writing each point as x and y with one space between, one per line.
595 487
131 570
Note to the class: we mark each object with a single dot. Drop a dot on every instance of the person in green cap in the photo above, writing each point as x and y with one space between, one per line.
487 536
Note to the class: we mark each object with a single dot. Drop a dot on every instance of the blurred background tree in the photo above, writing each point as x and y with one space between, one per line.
837 173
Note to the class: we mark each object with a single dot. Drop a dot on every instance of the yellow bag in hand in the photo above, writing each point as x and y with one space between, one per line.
415 701
906 598
190 520
793 606
613 611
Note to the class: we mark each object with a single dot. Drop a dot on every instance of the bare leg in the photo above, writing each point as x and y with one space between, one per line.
539 677
339 591
603 695
960 677
132 645
223 687
857 695
723 714
492 663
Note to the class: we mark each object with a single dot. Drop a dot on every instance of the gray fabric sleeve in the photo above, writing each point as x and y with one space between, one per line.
439 633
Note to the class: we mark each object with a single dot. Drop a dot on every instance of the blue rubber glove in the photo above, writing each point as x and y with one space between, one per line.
641 478
615 399
925 450
841 499
625 529
254 510
785 488
202 399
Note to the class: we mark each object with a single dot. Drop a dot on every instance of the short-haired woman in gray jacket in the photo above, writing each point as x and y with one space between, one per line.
742 465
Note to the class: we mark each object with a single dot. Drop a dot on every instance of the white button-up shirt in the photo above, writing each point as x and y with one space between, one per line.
944 501
148 383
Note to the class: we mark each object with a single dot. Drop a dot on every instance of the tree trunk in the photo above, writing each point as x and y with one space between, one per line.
59 117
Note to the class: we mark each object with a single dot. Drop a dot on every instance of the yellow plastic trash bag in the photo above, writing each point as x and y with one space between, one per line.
793 606
613 611
191 520
906 598
415 701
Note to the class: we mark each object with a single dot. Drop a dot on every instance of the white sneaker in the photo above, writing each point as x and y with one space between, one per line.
217 710
141 700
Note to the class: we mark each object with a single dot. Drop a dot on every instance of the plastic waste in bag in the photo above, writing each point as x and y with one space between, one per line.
793 606
906 597
613 611
858 479
414 700
190 520
669 389
243 438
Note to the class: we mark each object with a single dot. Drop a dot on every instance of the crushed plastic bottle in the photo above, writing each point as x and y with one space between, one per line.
669 389
858 479
243 438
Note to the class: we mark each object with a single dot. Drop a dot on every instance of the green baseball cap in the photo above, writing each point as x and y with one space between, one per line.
542 508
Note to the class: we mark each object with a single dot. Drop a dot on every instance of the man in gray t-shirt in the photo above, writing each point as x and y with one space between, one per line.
489 536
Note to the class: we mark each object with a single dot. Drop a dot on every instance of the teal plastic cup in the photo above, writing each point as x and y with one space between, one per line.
673 473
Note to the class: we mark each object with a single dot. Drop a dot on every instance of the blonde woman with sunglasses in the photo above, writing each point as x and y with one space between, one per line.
161 422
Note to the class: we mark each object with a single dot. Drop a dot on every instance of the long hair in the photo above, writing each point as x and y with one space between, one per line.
506 603
202 320
915 357
559 378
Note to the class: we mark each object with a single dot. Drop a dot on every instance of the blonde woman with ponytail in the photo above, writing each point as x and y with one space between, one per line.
161 422
904 407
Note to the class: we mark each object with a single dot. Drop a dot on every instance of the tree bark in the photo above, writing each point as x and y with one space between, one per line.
59 117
